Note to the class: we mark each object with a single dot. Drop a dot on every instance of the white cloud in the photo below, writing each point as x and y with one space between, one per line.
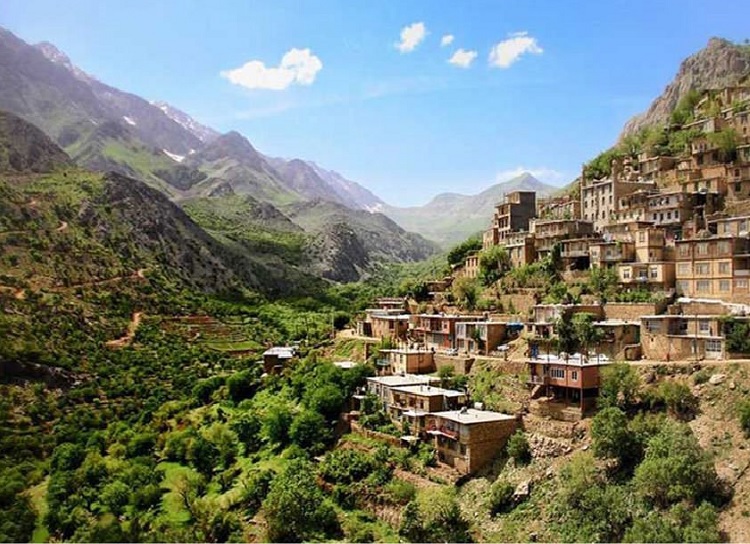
547 175
446 40
411 37
506 52
298 66
463 58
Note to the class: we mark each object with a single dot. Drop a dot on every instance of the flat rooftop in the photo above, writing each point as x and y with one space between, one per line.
429 391
469 416
399 380
406 351
575 359
281 352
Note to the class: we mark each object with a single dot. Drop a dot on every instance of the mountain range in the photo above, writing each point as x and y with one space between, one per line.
105 129
450 218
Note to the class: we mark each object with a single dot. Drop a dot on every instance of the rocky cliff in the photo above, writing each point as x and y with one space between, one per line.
721 63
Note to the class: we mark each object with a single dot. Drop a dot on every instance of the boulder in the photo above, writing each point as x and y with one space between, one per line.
716 379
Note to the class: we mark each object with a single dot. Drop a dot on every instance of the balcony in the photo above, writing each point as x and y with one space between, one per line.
741 272
538 380
574 253
613 257
442 430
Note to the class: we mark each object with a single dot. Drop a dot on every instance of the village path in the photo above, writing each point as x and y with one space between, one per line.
124 341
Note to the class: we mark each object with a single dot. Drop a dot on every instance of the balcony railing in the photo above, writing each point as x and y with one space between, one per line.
538 380
575 253
442 429
741 272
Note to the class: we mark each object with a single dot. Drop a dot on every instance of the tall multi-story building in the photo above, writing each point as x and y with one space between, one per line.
512 215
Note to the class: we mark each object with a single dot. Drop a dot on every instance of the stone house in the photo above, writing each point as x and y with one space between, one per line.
469 439
514 212
682 337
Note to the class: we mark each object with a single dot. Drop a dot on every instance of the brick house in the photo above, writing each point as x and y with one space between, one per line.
276 358
571 383
521 248
406 361
714 267
394 327
438 331
469 439
514 212
412 403
479 336
382 386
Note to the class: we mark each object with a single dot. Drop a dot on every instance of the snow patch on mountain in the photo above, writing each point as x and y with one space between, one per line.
174 156
129 120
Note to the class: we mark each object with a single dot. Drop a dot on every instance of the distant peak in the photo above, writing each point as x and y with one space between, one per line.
715 43
53 54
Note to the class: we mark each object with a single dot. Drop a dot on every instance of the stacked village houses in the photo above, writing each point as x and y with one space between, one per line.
675 226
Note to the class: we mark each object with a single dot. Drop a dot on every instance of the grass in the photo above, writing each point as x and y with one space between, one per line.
38 494
248 345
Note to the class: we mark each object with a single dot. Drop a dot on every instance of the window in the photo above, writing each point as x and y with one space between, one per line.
740 284
703 326
557 373
724 285
702 286
684 250
683 269
713 346
654 272
669 216
723 268
724 246
574 375
653 326
642 236
702 248
683 287
738 187
702 269
626 273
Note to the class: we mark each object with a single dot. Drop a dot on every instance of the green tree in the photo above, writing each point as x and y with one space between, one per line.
586 332
566 339
518 447
446 373
310 431
611 435
744 413
457 255
602 282
296 509
675 468
619 386
494 263
501 497
466 292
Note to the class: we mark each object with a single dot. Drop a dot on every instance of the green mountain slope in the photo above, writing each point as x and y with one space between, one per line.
450 218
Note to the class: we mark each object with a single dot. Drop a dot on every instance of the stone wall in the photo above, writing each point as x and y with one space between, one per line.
632 311
486 441
460 365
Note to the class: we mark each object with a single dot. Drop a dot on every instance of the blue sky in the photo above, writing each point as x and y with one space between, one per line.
404 122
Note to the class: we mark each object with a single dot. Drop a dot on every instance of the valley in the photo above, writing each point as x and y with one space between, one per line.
203 343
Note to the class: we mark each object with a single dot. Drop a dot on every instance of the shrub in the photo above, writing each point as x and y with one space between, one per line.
518 447
501 497
611 436
744 411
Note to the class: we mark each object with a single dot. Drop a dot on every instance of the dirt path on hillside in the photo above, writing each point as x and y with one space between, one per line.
124 341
